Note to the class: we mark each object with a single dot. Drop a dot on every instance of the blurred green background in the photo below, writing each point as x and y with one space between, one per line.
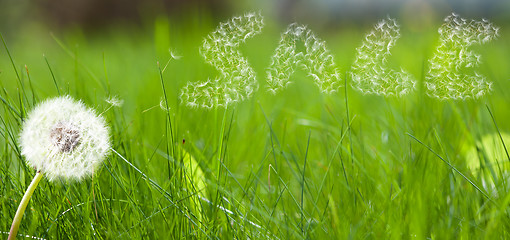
343 164
127 38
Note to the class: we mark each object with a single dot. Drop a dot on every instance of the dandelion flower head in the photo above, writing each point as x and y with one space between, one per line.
63 138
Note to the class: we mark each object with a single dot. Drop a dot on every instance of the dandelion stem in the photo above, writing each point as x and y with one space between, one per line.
23 205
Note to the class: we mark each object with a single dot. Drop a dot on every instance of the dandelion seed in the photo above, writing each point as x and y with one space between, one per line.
174 55
162 105
369 73
114 101
447 78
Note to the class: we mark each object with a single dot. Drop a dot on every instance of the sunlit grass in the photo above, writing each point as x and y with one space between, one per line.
295 165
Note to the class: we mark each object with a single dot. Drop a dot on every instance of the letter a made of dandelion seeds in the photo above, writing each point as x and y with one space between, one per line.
369 72
61 138
451 74
314 59
220 49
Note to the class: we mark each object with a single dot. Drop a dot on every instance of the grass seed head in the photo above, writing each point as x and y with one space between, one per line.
63 138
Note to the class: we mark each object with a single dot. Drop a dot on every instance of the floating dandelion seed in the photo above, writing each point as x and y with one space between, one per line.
114 101
174 55
61 138
163 105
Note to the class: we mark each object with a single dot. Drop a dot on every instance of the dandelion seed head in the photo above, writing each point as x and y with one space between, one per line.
63 138
65 135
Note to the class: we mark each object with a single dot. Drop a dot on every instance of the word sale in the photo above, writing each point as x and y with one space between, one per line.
446 77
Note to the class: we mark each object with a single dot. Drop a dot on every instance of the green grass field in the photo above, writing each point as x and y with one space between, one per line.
296 165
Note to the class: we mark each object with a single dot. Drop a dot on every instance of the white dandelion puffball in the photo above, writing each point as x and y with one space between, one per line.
63 138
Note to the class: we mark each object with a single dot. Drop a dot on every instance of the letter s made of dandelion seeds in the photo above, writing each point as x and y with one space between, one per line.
314 59
448 76
369 72
220 49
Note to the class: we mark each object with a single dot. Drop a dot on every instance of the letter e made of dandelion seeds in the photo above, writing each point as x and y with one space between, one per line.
451 74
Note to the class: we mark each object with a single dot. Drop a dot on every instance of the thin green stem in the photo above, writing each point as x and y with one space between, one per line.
23 205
